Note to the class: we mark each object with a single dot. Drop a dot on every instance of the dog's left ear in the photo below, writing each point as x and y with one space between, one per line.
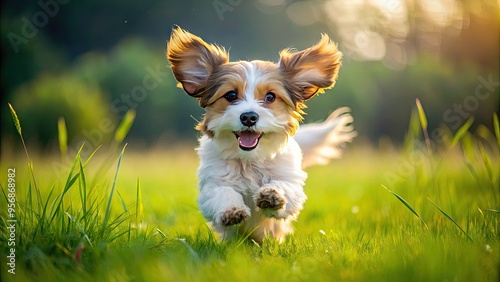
309 71
193 60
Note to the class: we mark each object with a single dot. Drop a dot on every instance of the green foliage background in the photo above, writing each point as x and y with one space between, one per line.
89 55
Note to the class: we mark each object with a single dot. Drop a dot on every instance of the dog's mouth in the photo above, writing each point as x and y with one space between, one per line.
248 140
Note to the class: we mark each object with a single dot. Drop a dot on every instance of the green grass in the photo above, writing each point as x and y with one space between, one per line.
128 215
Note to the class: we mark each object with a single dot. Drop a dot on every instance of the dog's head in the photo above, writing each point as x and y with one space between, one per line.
251 107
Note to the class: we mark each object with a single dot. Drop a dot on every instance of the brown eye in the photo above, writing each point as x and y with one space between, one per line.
270 97
231 96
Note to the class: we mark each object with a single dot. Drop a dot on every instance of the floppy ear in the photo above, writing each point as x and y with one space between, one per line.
192 60
309 71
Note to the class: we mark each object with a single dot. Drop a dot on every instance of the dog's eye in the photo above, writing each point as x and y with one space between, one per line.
270 97
231 96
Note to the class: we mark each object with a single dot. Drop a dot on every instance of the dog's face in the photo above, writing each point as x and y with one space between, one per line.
251 107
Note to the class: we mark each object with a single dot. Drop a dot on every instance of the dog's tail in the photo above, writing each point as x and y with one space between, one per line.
321 142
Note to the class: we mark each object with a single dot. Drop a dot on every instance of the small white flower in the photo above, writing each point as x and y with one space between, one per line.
488 248
322 232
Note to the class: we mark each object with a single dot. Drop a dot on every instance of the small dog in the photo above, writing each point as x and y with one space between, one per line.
252 150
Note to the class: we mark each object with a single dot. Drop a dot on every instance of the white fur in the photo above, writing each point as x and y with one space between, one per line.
228 183
321 142
232 179
257 191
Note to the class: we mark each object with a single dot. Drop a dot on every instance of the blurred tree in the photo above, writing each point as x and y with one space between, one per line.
26 61
394 52
382 100
135 76
40 103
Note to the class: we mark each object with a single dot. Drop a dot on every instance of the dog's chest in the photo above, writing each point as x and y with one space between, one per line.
248 176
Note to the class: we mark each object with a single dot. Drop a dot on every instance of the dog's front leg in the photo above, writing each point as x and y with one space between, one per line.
280 199
222 205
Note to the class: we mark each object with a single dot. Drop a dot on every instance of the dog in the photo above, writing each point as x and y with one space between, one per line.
252 150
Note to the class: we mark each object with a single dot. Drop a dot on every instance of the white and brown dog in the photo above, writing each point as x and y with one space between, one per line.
252 149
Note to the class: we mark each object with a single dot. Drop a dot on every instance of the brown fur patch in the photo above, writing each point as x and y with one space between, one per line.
310 71
232 77
204 71
192 60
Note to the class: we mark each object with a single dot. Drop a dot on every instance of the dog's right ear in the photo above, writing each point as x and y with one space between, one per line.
192 60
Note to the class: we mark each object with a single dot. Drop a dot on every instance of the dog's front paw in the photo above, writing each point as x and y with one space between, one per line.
233 216
269 198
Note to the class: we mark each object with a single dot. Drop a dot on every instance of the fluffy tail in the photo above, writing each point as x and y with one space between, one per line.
321 142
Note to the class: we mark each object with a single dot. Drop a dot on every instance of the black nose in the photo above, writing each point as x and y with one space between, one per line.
249 118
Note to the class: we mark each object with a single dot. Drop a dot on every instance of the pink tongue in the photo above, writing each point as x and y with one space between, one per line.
248 139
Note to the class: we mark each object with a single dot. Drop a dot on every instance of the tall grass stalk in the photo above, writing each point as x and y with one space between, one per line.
17 124
451 219
110 199
423 124
62 134
496 127
139 208
407 205
121 132
50 218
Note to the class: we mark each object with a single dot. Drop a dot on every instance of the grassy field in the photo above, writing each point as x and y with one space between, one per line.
414 213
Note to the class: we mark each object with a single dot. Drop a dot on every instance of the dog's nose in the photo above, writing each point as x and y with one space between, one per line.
249 118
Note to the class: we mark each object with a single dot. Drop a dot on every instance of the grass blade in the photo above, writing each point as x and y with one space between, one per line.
492 210
194 255
91 155
124 206
70 180
83 192
16 119
497 128
421 114
108 206
461 132
413 132
139 209
161 233
62 135
423 124
47 201
17 123
80 228
407 205
125 126
468 147
451 219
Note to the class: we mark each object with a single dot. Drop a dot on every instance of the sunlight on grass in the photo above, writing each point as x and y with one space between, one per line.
127 215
